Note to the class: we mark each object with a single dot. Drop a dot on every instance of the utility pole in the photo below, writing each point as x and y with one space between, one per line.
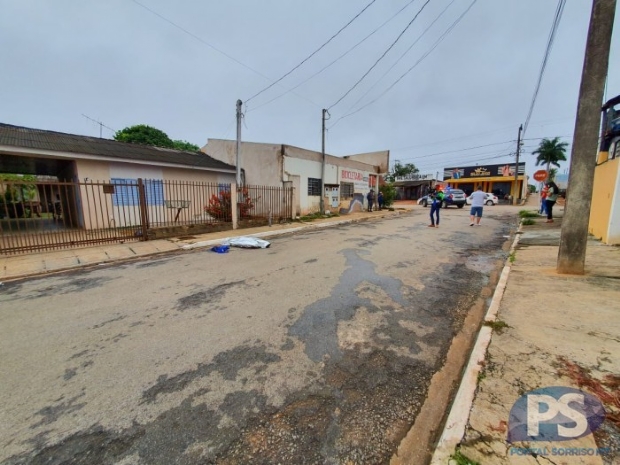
238 148
322 202
516 192
573 240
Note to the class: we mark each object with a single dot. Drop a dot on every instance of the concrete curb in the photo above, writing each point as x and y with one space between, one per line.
211 242
454 428
282 232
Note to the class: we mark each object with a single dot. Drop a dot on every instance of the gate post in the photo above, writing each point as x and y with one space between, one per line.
144 217
233 205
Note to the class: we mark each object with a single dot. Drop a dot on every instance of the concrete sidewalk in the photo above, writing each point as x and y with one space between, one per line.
21 266
550 330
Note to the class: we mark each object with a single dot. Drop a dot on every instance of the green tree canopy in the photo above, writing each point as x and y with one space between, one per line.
184 145
401 170
147 135
550 152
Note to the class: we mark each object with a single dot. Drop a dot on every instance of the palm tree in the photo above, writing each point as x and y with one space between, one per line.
552 174
550 152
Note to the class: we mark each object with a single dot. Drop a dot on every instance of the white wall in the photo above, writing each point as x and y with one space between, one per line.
613 233
262 163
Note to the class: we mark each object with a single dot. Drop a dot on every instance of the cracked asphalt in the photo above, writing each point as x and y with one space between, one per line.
319 349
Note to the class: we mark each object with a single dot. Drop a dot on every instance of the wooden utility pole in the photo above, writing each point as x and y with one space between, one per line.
516 191
322 201
572 254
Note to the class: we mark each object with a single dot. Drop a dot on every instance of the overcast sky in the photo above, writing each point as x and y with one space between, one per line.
121 64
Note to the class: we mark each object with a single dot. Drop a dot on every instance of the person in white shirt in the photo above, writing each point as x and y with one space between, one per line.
477 202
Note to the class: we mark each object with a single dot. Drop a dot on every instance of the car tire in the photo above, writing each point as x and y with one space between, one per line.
444 204
460 205
489 202
424 203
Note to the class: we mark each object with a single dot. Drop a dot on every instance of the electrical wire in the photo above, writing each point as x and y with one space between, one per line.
312 54
221 52
401 57
337 59
382 56
551 39
433 47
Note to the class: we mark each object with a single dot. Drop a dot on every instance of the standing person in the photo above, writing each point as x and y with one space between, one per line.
552 197
543 197
380 200
436 200
477 203
371 199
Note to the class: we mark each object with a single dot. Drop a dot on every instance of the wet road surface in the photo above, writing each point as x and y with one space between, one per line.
319 349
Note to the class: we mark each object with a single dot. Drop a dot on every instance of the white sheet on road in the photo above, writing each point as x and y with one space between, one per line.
247 243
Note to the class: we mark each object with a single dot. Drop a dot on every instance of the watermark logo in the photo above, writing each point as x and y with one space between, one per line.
554 414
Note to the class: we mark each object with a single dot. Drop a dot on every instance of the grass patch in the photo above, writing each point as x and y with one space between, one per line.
512 257
528 214
461 459
498 325
528 222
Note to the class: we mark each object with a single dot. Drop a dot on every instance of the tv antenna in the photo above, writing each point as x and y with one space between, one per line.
101 125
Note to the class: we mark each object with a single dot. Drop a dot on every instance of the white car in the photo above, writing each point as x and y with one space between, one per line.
490 199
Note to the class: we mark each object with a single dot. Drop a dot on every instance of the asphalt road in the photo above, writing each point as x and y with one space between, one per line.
319 349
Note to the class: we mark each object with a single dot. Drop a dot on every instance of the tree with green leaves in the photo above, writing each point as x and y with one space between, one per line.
400 170
145 135
550 152
148 135
184 145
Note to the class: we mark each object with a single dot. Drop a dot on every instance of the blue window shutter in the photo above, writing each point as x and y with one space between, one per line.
125 192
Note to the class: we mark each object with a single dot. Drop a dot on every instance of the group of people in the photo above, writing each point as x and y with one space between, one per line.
478 199
371 197
548 198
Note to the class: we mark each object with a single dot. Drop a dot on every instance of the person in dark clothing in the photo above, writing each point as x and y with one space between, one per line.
436 198
371 199
380 200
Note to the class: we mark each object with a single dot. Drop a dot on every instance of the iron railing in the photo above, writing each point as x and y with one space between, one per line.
44 215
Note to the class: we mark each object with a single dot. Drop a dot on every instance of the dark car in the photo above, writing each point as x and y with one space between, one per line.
456 197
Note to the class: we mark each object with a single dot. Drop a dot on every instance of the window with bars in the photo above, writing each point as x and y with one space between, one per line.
314 186
347 189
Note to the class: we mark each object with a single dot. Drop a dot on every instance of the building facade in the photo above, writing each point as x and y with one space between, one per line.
343 178
498 179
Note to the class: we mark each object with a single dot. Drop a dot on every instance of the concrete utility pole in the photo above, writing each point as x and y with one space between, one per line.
516 192
238 148
322 202
572 254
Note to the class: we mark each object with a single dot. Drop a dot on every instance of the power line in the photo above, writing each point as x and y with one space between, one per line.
556 21
312 54
204 42
402 56
337 59
382 56
441 38
459 150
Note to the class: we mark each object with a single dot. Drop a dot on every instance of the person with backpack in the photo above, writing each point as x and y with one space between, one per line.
436 198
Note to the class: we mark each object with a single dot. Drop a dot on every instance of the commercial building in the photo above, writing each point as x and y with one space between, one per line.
498 179
346 179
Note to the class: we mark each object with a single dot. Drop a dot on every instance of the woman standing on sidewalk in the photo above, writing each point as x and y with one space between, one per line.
552 197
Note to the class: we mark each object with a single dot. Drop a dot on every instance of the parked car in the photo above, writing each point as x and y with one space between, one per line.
490 199
456 197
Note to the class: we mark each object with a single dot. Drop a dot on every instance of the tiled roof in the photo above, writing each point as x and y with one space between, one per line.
18 136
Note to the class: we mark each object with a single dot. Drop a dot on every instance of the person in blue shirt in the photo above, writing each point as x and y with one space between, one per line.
436 198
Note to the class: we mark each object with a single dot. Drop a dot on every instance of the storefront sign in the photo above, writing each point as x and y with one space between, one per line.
482 171
357 178
415 177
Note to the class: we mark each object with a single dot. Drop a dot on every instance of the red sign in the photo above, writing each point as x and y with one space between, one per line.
353 175
540 175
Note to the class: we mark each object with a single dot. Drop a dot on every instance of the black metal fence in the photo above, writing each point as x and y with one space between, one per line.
41 215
